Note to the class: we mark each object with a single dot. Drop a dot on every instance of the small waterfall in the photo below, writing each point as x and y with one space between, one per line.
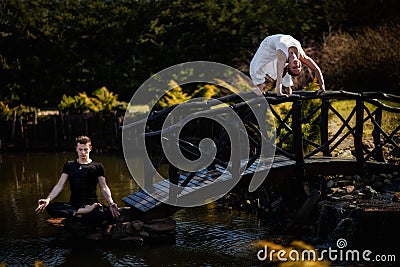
336 223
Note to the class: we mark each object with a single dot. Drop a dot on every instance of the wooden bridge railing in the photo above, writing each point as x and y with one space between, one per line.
360 112
366 109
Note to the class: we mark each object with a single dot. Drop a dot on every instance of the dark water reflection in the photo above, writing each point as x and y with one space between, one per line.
205 236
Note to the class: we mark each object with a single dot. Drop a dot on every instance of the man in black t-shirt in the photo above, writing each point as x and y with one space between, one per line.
83 175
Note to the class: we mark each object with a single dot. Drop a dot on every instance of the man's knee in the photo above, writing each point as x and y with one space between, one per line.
97 215
61 210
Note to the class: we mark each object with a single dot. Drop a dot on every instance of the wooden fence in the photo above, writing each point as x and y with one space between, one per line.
56 131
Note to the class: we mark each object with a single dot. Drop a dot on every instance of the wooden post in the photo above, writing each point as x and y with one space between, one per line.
13 127
173 171
35 122
35 116
148 175
86 126
324 126
298 148
101 125
23 134
116 124
55 132
62 125
358 145
377 135
68 119
236 149
173 175
296 190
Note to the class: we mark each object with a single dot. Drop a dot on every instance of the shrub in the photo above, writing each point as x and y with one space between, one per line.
103 100
108 101
5 111
368 60
178 95
80 103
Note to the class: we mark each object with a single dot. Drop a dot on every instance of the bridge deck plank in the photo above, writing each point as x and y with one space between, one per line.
144 201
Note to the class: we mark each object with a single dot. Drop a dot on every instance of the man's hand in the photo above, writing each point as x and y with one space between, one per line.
114 210
42 204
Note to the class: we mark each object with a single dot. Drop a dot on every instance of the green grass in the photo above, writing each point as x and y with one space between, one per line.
389 120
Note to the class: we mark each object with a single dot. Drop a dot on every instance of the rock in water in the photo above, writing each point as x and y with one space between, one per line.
303 214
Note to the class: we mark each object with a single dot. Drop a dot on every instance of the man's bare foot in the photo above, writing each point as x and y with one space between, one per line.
88 208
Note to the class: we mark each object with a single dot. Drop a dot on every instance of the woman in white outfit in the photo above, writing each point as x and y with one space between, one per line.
280 56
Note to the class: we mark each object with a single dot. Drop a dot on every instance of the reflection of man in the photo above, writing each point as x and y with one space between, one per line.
83 175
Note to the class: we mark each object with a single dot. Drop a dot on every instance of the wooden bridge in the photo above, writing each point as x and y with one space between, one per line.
306 143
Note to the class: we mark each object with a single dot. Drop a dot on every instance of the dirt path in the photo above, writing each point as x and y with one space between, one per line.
344 149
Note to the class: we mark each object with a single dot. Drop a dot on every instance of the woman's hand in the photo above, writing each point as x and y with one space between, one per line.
281 93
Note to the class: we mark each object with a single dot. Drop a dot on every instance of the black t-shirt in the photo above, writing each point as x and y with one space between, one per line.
83 180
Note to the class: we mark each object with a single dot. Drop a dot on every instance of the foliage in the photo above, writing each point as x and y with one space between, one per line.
368 60
80 103
310 128
207 91
103 100
177 95
5 111
52 48
23 111
20 111
108 101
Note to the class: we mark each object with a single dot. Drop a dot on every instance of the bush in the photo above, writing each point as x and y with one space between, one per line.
368 60
178 95
5 111
103 100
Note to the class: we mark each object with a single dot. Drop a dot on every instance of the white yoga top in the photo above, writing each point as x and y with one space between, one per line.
265 59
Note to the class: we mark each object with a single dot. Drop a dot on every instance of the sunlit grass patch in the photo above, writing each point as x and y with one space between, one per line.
390 120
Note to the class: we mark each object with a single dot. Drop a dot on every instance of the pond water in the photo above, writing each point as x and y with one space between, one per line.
205 236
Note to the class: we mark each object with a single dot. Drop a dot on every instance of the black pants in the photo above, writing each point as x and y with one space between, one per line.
67 210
